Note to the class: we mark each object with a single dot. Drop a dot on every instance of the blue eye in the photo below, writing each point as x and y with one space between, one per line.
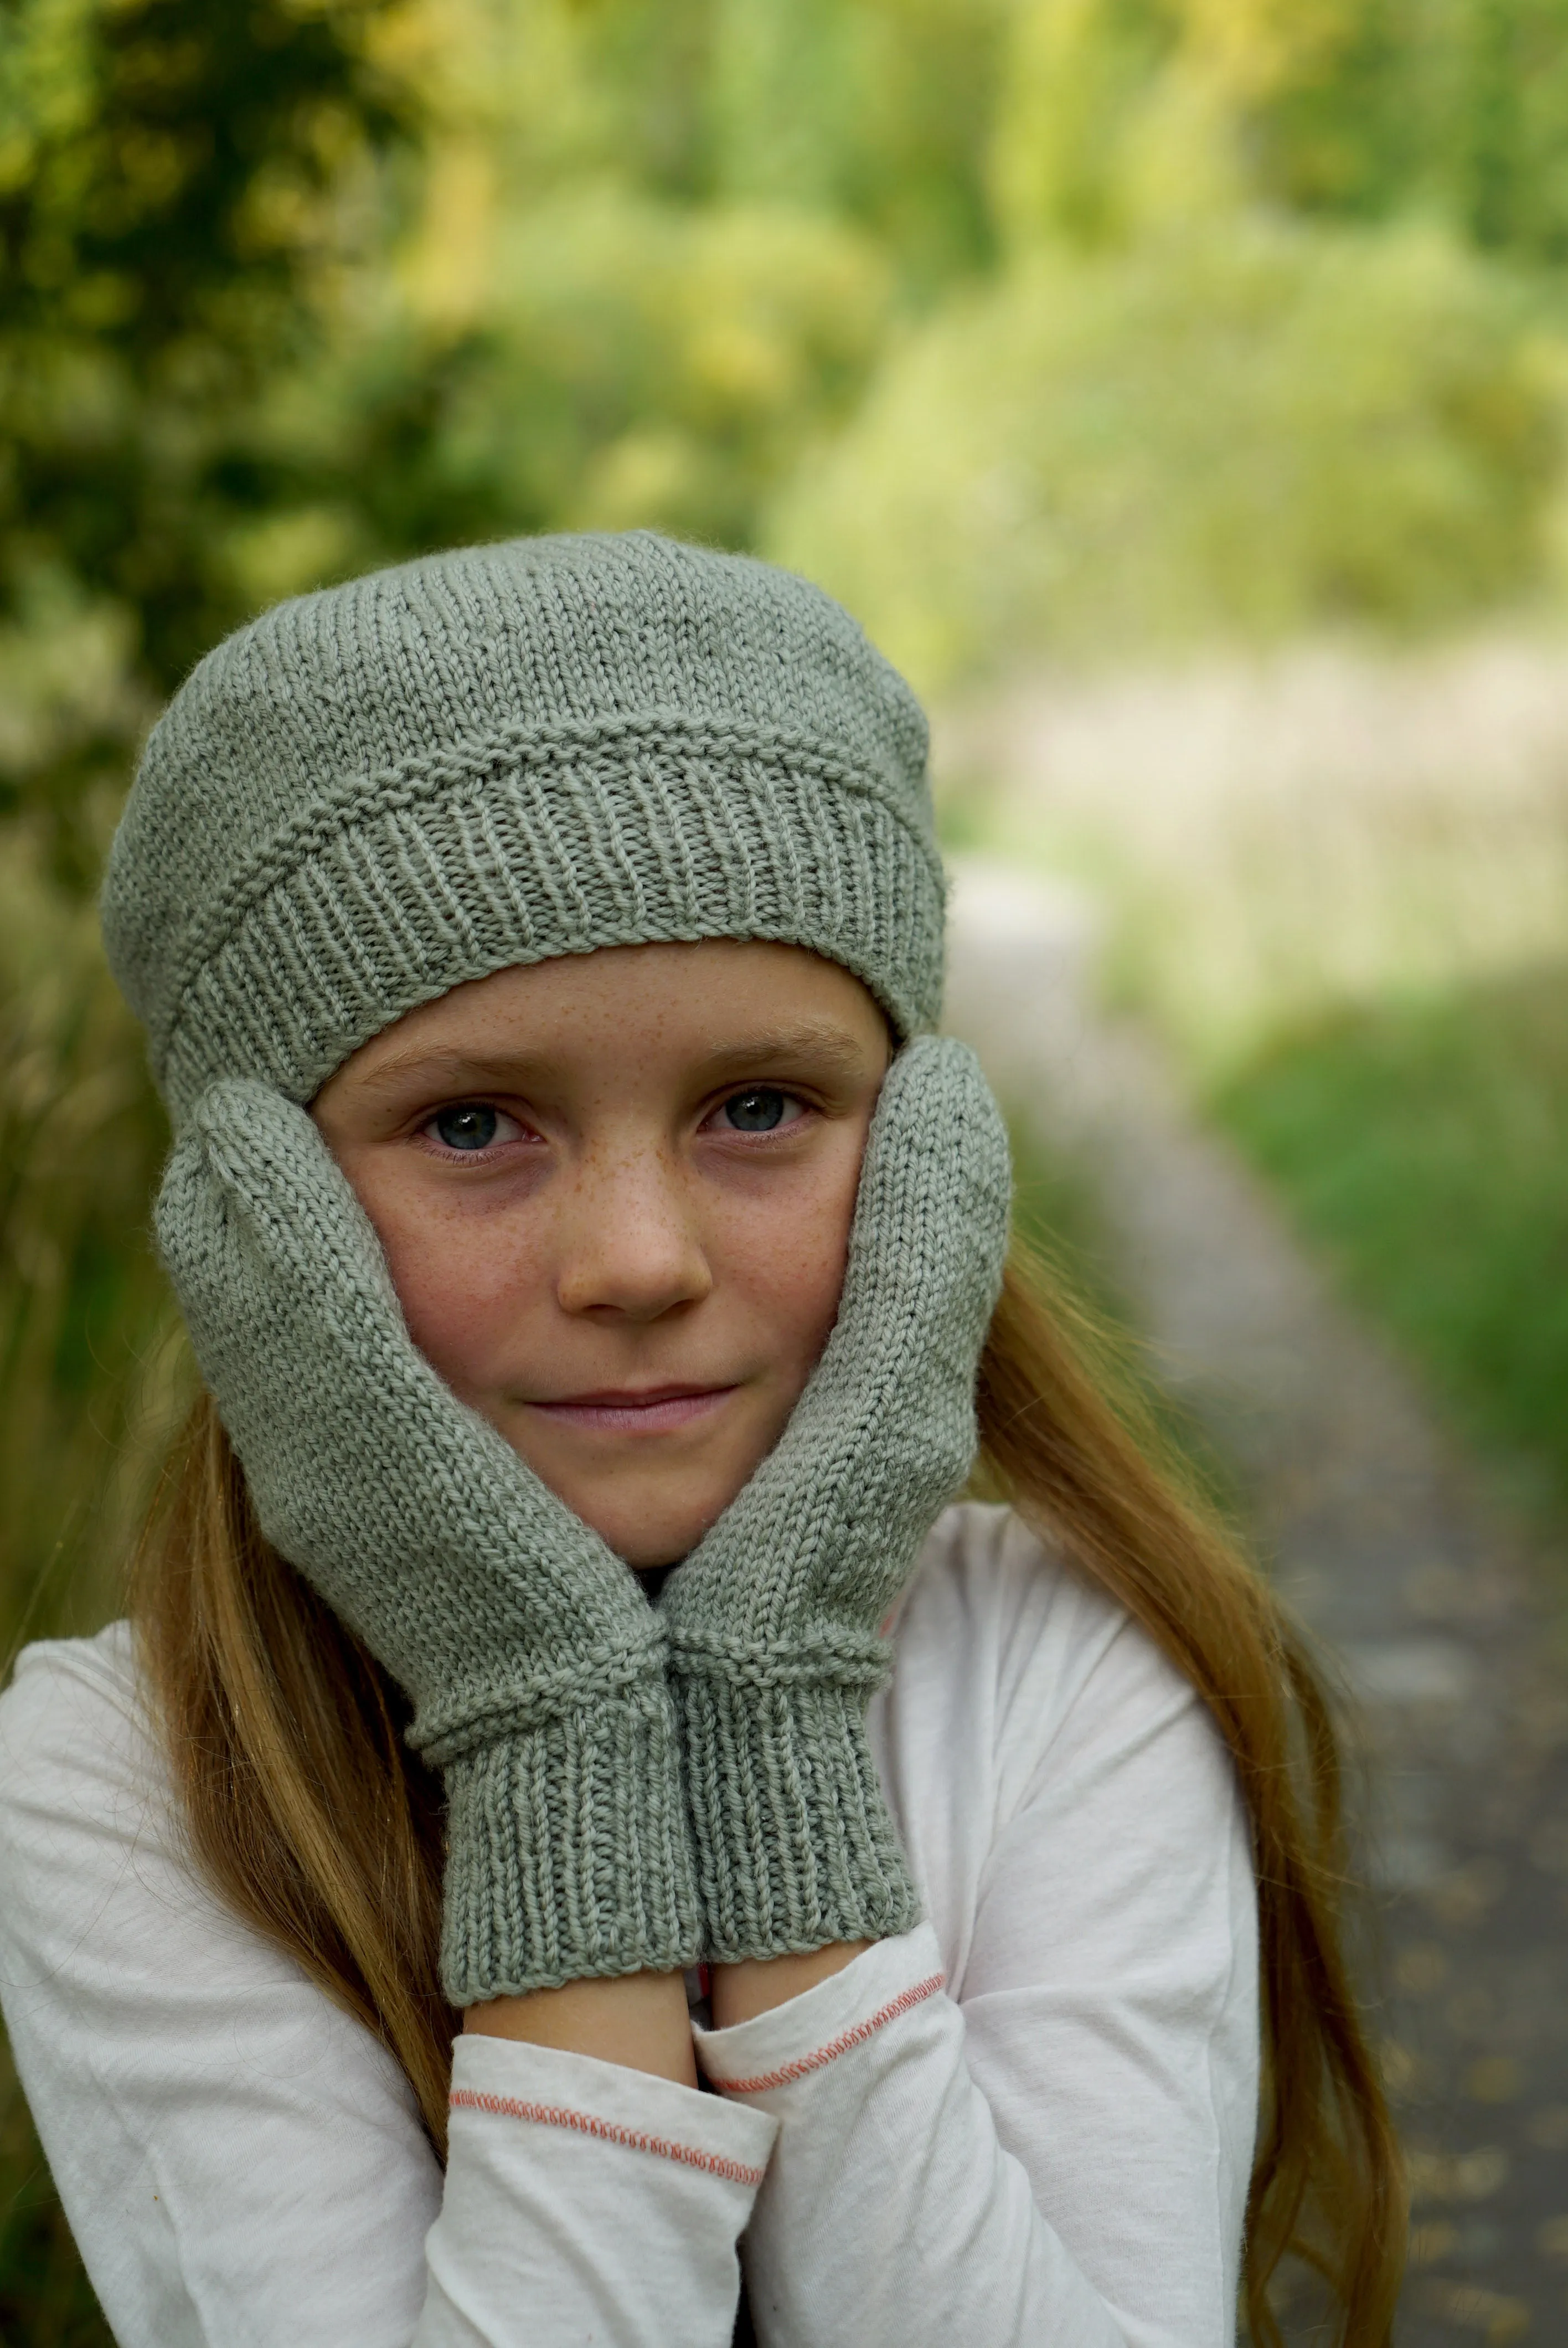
468 1125
758 1111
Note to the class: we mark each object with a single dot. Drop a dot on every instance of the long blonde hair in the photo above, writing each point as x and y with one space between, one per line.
315 1823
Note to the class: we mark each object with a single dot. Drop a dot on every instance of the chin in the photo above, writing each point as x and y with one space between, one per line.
646 1551
652 1514
651 1511
655 1536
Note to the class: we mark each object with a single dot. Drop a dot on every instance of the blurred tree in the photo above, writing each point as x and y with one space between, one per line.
782 96
172 178
612 309
1070 117
927 80
1462 110
1114 114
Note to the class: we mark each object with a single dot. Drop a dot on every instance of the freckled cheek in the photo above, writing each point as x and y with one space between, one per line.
784 1270
468 1287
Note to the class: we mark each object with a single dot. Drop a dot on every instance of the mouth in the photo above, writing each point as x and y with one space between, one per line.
653 1410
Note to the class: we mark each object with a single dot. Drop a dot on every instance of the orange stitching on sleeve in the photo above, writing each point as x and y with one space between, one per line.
713 2164
836 2046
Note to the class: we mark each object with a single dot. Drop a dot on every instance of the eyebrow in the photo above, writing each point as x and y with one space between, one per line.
807 1040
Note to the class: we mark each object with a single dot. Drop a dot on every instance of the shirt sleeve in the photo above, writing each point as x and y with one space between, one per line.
891 2214
587 2202
243 2164
1053 2144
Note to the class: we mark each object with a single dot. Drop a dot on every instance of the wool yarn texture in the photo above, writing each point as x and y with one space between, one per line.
536 1665
502 754
776 1644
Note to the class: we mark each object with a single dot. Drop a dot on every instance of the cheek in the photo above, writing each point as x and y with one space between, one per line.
782 1256
462 1289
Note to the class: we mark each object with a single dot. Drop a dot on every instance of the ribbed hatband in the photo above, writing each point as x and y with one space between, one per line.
499 755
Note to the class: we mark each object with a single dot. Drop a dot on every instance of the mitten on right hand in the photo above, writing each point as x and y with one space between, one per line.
534 1662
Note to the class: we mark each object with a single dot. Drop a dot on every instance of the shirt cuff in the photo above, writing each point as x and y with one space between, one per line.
506 2082
826 2022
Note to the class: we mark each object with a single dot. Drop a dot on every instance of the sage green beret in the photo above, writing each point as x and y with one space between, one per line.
372 793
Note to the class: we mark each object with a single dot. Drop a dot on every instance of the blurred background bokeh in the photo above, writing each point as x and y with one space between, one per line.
1177 389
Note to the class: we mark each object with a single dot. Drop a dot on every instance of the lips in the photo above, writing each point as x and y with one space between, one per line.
653 1410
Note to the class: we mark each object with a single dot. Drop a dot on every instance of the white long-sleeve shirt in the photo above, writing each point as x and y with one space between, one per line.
1027 2121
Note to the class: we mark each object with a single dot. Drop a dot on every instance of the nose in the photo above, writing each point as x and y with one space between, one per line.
630 1248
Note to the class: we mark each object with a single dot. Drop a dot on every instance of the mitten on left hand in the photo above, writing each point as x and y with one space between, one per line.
775 1642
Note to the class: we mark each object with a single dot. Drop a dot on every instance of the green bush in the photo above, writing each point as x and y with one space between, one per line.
1238 432
633 363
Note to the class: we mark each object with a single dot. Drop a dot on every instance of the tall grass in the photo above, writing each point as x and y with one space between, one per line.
1423 1143
90 1377
88 1370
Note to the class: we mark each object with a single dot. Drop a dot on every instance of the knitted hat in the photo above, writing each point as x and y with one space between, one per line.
372 793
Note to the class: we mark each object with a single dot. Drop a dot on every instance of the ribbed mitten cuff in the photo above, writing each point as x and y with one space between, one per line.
794 1842
568 1853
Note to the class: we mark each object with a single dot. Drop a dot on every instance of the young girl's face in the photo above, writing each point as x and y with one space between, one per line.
615 1191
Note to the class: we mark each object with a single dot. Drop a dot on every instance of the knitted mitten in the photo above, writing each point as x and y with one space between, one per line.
536 1665
774 1619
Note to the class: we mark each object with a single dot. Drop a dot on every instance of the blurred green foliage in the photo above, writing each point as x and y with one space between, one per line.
295 287
165 174
1235 430
1422 1145
1119 111
87 1365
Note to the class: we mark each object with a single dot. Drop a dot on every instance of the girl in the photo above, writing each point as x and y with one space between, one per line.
558 1680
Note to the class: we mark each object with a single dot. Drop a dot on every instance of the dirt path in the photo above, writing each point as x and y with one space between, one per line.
1375 1535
